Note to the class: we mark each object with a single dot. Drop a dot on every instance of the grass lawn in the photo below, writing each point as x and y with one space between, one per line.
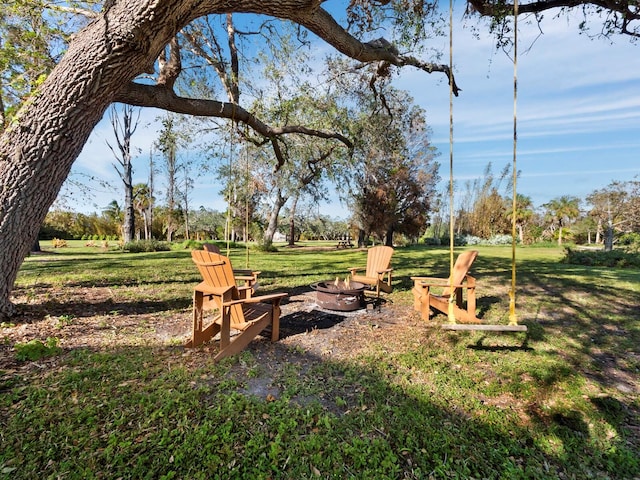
95 383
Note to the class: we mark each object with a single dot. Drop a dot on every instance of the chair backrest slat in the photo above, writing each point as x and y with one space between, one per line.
216 271
378 258
461 268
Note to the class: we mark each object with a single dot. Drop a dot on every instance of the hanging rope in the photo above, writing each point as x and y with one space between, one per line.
246 204
227 228
513 319
452 299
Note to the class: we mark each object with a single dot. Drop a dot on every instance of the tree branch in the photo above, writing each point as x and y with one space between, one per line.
624 12
324 25
160 96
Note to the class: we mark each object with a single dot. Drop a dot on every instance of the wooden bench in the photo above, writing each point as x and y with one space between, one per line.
344 244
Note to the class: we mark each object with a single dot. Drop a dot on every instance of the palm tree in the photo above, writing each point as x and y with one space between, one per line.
113 213
562 211
524 212
143 203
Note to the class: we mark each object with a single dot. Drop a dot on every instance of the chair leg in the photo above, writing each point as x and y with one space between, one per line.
241 341
471 301
200 334
275 322
425 307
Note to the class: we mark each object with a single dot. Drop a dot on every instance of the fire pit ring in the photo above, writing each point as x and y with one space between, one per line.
339 297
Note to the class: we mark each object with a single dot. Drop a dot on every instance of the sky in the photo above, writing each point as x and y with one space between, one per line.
578 117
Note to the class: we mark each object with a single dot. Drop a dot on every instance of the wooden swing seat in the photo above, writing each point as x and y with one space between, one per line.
483 327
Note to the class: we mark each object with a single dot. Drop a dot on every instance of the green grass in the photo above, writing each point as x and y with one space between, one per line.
417 402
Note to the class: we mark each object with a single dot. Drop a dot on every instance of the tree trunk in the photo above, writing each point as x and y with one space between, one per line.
608 239
292 222
361 238
37 151
129 225
560 235
272 226
388 237
146 225
521 233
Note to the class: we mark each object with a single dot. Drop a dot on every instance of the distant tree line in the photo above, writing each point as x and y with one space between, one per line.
483 210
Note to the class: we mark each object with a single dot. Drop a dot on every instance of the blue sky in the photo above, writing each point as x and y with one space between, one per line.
578 116
578 110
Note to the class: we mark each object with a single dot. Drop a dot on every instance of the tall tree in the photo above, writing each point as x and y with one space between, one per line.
124 126
524 213
170 140
615 208
393 180
562 211
113 213
143 203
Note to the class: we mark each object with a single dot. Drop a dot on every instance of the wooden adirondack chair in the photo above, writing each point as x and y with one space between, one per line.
424 298
378 270
249 315
248 277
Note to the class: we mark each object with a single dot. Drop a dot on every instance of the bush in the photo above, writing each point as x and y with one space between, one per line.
432 241
473 240
58 243
631 241
139 246
35 349
457 241
600 258
191 245
266 248
500 240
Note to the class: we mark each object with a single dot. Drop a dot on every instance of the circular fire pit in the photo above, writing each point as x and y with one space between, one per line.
342 297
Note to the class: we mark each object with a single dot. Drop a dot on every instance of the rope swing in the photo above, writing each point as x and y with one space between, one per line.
452 295
230 180
227 226
513 325
513 318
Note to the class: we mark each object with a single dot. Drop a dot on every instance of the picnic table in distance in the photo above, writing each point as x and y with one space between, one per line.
344 243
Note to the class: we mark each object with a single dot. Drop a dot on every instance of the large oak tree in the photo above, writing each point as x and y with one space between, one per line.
128 38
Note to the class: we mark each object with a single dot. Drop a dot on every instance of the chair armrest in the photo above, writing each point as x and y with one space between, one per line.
208 290
435 282
245 277
245 273
386 270
261 298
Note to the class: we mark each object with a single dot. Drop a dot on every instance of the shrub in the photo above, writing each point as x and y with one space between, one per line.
58 243
457 241
35 349
631 241
191 245
600 258
500 240
263 247
139 246
432 241
473 240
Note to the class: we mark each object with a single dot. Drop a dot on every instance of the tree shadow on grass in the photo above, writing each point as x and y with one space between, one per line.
281 412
